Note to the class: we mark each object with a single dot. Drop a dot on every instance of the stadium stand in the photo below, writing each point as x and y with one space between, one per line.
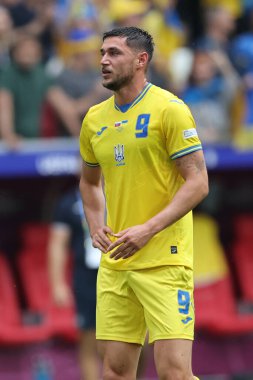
13 331
216 309
215 301
242 252
33 266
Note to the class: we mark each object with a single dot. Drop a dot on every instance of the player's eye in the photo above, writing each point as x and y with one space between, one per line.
115 52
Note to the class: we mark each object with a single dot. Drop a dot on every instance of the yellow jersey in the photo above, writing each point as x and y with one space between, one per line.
135 146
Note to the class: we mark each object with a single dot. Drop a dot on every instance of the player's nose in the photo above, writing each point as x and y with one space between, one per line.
104 60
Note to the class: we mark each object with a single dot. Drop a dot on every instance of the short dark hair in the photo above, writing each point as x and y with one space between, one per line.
136 38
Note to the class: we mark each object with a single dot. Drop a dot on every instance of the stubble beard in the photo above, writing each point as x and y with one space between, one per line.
117 84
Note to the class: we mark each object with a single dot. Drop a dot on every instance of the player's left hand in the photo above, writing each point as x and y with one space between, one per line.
129 241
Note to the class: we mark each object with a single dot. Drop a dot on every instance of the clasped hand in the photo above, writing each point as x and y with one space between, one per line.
127 241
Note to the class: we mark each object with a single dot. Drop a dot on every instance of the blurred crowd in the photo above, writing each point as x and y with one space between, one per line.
49 63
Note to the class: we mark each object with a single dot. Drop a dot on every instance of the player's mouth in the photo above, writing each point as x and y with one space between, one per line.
106 73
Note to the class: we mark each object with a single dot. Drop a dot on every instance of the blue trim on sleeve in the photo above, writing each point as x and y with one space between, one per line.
186 151
91 164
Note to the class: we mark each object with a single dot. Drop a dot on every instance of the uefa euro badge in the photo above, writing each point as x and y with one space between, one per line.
119 152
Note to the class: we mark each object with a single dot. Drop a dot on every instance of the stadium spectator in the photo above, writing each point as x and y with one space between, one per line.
234 6
211 92
79 77
34 17
242 57
126 13
165 24
6 36
24 87
219 24
74 14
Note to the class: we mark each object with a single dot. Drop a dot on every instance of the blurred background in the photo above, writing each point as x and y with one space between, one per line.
49 77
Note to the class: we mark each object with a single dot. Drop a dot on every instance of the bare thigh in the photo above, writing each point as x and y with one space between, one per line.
120 359
173 359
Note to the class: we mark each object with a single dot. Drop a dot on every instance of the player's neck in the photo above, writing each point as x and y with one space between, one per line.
128 93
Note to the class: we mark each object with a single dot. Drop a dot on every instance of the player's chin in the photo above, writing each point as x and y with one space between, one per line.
108 84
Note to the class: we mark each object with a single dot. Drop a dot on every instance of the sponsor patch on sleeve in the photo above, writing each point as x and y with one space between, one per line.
188 133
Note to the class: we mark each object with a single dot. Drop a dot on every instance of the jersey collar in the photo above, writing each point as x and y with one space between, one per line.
125 107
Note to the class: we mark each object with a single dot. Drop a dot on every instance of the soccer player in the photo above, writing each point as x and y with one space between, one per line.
144 143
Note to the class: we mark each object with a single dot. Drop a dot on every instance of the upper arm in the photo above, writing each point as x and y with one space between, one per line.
86 147
90 175
192 166
6 112
58 98
6 101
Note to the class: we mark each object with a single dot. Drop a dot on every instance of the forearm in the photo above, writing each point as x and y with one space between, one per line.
96 95
57 261
6 115
66 109
71 121
94 205
43 20
190 194
34 28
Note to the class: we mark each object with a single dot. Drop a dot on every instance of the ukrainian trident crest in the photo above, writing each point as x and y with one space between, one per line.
119 152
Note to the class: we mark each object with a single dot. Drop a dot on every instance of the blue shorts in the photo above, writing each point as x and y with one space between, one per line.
84 288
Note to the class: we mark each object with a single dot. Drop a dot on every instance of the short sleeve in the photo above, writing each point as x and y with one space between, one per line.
180 130
86 150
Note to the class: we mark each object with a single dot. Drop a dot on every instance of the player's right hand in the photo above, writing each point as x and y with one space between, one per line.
101 239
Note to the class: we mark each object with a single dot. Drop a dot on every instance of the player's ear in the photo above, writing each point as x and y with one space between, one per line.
142 59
